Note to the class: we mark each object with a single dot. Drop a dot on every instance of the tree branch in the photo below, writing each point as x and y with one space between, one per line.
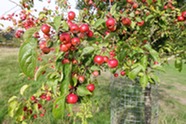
16 4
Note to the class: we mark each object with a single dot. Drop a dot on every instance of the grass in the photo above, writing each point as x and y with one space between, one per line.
172 92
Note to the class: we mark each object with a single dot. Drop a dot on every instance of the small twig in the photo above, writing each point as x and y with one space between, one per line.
16 4
9 10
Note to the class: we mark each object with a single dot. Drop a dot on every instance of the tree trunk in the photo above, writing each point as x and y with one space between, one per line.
148 104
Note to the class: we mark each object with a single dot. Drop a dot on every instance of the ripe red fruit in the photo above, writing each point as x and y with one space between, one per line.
110 23
115 74
183 14
75 41
98 59
130 1
126 21
48 98
65 61
81 79
64 48
90 33
42 44
45 50
105 58
36 35
180 18
72 98
74 28
74 61
71 15
42 114
35 116
43 96
84 28
25 108
95 73
90 87
140 23
156 63
39 106
33 98
19 33
112 63
65 38
45 29
135 6
122 73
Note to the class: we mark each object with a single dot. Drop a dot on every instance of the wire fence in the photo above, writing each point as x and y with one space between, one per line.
128 102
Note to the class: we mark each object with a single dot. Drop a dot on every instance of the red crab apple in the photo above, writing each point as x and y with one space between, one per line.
126 21
74 28
135 6
95 73
75 41
140 23
48 98
64 48
180 18
45 50
90 87
65 61
42 114
116 75
45 29
65 38
110 23
90 33
84 28
105 58
122 73
98 59
81 79
71 15
72 98
112 63
183 14
33 98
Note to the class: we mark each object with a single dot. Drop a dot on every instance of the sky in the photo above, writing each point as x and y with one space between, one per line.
7 6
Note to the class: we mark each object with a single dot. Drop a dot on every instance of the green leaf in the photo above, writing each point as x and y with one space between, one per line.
158 67
113 9
133 24
87 50
53 84
82 91
39 71
12 108
94 68
135 71
67 79
149 2
154 54
57 22
144 61
13 98
23 88
65 26
144 80
29 34
58 110
98 23
28 57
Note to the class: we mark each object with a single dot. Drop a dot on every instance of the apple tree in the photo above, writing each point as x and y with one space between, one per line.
65 52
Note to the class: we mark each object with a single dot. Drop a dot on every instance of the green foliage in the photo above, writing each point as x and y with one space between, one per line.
28 57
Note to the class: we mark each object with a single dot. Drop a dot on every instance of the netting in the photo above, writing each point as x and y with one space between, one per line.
129 102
